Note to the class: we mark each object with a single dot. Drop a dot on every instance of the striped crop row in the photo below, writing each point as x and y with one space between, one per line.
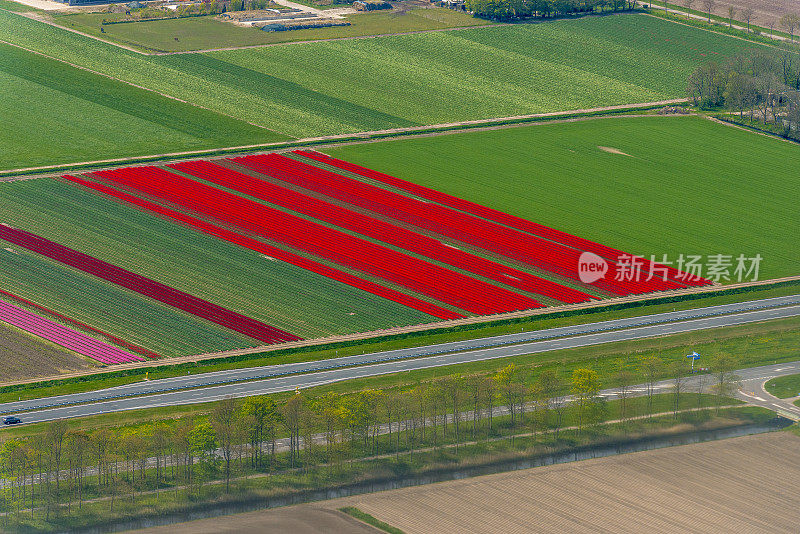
66 337
145 286
274 252
378 229
512 221
412 273
487 235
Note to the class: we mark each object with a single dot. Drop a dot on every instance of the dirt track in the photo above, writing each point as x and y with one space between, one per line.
293 520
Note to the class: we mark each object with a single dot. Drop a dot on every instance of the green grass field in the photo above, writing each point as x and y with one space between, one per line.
784 387
274 292
687 186
366 84
202 33
98 118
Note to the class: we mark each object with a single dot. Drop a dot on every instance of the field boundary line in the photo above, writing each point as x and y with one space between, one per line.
751 130
329 140
709 30
110 77
44 20
346 38
719 19
155 52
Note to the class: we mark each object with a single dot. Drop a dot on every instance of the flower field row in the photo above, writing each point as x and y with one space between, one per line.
271 251
121 342
412 273
507 242
70 339
512 221
379 230
146 286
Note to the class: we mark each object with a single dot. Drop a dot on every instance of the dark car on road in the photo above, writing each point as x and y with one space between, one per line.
11 420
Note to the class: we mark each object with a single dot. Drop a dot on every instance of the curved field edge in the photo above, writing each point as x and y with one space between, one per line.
350 86
784 387
673 187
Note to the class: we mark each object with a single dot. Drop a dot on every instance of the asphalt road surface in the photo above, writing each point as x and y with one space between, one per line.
553 339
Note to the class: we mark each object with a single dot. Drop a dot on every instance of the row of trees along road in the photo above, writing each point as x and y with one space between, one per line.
765 85
56 470
522 9
787 21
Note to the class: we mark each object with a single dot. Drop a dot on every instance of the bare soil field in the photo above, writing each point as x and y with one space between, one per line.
765 12
304 519
746 484
24 356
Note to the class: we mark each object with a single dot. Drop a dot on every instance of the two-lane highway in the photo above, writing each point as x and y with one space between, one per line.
167 385
554 340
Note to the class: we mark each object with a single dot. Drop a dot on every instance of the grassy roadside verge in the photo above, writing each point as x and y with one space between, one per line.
116 378
55 170
750 345
370 520
757 126
784 387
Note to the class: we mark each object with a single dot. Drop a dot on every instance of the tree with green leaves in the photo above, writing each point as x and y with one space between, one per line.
511 390
291 417
261 418
453 389
224 419
330 414
76 450
204 444
585 387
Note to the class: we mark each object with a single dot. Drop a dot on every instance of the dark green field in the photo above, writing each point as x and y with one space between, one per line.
685 186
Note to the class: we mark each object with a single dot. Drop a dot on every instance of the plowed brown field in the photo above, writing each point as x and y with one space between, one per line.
26 356
747 484
764 11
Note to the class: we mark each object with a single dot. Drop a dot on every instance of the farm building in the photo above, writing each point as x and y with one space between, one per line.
371 5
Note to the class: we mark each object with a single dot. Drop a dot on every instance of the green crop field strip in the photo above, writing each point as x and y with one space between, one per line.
687 185
201 33
366 84
97 117
110 308
274 292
